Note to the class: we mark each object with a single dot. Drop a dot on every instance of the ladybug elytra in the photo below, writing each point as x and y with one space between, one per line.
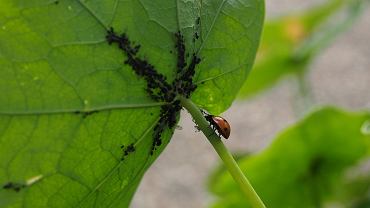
218 123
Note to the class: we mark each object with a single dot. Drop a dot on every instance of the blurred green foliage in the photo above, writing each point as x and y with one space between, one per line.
291 42
307 165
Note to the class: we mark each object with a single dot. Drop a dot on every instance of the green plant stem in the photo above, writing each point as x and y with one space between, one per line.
224 154
303 99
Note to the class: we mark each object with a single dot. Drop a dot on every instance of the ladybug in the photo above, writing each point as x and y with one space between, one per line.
218 123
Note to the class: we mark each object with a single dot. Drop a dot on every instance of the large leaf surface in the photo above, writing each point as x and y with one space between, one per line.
55 63
305 165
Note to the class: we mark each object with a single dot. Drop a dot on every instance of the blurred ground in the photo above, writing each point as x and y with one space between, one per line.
340 76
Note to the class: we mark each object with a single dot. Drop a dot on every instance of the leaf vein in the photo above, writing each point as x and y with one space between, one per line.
100 21
212 25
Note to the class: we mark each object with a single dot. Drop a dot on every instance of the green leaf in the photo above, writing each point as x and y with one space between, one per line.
305 164
356 191
68 102
286 44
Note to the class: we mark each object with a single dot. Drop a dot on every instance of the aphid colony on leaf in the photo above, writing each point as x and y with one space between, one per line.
157 86
160 90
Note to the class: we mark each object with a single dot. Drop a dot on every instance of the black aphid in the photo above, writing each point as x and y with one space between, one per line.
85 113
14 186
197 22
127 150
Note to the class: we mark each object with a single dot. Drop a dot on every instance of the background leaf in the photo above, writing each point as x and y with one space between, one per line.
305 165
290 43
68 102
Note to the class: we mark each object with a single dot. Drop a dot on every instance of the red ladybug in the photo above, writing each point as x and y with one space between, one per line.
218 123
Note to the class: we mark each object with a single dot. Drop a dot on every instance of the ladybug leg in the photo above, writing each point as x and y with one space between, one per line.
201 110
208 118
204 112
215 131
